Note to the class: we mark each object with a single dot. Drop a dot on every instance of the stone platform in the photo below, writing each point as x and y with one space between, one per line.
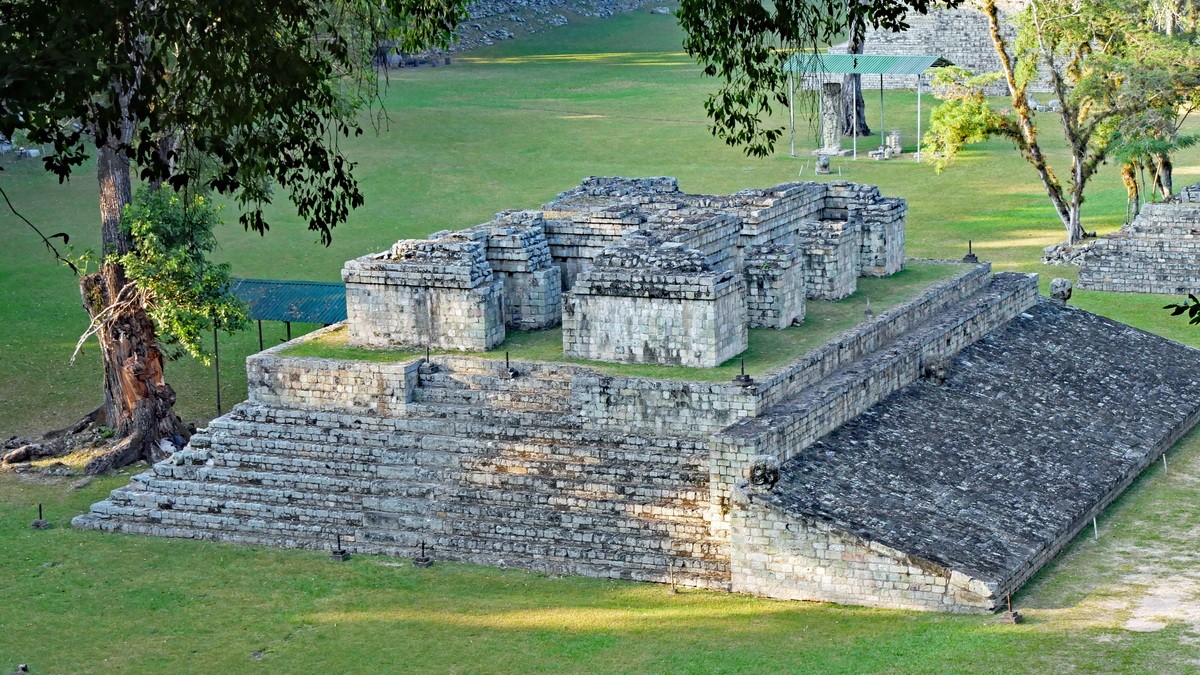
560 468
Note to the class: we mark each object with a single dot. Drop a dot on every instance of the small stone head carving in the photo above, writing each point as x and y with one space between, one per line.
1060 290
764 472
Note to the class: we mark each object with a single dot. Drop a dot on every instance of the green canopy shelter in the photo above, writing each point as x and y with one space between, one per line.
859 64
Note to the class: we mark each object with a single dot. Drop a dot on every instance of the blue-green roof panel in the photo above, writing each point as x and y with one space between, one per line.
863 64
298 301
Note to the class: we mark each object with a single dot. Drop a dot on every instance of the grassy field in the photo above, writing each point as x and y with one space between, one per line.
510 127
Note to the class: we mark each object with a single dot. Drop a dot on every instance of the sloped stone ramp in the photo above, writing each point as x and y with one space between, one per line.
950 495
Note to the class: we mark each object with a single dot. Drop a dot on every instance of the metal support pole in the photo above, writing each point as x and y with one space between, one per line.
289 330
881 139
260 344
792 111
217 368
918 117
857 91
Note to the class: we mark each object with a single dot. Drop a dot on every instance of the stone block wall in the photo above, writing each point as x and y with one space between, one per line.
646 302
831 258
789 557
1159 252
776 286
961 36
576 238
425 293
660 407
519 255
329 385
881 225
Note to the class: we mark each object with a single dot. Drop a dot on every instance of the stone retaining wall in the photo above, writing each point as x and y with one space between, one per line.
1159 252
788 557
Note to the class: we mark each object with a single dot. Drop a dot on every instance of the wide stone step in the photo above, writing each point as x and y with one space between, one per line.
449 451
532 530
262 422
446 379
687 572
505 400
608 482
411 500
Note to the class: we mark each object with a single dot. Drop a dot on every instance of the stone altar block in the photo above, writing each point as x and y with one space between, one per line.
425 293
646 301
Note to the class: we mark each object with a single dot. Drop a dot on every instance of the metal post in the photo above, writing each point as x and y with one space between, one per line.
289 330
918 117
792 111
260 344
881 139
217 367
857 91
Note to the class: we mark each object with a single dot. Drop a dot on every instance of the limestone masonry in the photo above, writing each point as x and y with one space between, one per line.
932 457
1159 252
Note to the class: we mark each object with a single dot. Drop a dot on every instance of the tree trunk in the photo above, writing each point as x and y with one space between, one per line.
853 105
138 402
1133 193
1163 179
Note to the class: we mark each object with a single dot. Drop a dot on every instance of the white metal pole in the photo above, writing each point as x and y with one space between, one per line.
918 117
792 111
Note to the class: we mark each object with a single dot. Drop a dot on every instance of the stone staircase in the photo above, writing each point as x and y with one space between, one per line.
481 469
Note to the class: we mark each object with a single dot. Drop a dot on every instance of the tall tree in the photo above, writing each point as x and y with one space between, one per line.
745 43
239 98
1110 71
854 109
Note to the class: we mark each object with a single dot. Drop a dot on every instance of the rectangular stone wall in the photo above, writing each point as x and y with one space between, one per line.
668 407
424 293
778 555
776 287
333 385
831 258
1159 252
664 319
576 238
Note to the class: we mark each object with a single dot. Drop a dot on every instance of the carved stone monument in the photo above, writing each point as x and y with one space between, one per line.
831 120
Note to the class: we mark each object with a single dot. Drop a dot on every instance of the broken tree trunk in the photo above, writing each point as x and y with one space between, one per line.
138 403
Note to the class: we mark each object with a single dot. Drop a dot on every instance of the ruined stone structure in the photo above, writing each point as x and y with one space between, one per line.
1159 252
932 457
636 270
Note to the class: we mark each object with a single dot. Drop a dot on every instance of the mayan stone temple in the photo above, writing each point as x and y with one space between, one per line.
931 456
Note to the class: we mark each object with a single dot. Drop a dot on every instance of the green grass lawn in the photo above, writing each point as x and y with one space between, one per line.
509 127
767 349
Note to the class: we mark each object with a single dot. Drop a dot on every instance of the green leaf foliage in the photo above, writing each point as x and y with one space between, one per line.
240 98
184 292
745 44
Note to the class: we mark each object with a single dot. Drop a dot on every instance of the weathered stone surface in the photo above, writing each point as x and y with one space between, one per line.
1159 252
977 482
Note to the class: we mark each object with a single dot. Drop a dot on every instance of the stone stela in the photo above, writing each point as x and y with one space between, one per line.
928 458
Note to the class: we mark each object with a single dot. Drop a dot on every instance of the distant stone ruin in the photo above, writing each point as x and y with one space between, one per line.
1159 252
960 35
932 457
